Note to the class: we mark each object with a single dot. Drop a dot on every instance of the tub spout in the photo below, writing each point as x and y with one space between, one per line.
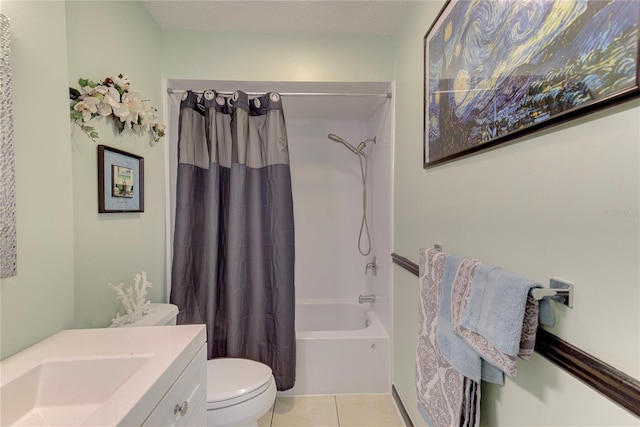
366 298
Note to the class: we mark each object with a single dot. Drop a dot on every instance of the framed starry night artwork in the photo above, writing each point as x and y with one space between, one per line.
495 70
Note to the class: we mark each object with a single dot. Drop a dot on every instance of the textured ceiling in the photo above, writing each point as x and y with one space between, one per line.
275 16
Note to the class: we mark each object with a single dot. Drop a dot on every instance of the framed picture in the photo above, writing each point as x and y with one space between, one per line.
120 181
496 70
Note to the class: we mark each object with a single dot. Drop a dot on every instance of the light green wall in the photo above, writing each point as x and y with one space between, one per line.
208 55
39 300
68 253
537 207
107 38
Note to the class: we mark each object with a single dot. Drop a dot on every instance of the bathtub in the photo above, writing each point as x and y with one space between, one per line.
342 348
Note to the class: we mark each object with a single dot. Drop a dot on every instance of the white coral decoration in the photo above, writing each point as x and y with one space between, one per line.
135 307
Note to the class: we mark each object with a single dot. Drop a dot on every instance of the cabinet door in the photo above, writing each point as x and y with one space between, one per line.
182 405
198 416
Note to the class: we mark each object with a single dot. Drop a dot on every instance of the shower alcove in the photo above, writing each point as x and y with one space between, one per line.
328 203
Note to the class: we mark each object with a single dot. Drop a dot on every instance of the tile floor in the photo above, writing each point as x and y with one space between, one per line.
358 410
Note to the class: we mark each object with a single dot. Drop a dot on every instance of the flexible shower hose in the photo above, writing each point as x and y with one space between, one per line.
364 226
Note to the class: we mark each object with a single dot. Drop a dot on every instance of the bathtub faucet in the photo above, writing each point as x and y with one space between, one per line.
373 265
366 298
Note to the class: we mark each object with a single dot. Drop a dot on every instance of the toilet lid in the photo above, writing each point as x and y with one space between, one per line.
229 378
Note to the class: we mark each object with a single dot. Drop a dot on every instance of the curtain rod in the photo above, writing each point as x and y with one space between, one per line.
370 95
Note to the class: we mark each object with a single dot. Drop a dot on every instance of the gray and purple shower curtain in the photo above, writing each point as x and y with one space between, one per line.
233 251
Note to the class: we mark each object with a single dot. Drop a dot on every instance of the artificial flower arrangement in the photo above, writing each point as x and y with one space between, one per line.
114 98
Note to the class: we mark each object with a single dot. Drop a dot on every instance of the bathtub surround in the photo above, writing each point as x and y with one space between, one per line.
233 252
364 166
362 299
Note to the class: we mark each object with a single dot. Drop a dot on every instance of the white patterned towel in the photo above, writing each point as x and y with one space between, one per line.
445 397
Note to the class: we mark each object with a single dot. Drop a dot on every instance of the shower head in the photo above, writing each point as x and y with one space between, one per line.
353 149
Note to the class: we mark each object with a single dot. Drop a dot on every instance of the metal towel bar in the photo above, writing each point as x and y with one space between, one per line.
621 388
559 291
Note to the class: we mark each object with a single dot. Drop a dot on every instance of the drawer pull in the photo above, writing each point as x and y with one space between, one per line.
181 408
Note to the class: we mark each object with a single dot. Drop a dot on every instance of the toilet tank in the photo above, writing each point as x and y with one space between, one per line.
163 314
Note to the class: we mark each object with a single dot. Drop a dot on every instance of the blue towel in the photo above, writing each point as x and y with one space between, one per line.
453 348
496 306
546 312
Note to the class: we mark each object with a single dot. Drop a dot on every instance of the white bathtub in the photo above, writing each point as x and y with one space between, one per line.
316 317
342 348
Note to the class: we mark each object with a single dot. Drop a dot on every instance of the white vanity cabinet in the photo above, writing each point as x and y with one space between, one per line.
145 376
185 402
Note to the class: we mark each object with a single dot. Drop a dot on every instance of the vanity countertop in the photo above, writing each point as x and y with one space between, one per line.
139 364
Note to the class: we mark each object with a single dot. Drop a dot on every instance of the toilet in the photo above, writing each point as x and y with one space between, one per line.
239 391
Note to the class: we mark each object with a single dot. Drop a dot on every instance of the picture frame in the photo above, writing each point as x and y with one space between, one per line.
120 181
497 70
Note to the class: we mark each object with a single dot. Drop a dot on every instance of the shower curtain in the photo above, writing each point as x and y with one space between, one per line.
233 252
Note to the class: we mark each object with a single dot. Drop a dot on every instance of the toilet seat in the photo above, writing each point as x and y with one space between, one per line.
231 381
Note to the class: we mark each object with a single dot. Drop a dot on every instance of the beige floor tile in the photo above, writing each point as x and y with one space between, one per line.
305 411
367 410
265 420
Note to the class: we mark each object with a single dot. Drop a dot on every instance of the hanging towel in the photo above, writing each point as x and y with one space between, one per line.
460 292
529 328
496 308
471 406
453 347
444 400
492 359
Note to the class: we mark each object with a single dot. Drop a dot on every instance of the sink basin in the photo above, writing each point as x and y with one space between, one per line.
95 377
65 392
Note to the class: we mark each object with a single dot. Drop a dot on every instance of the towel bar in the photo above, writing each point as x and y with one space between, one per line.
559 291
621 388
